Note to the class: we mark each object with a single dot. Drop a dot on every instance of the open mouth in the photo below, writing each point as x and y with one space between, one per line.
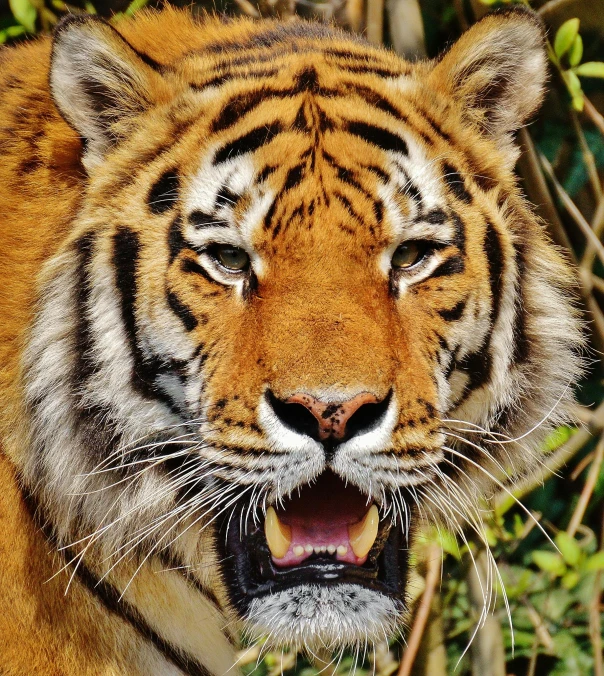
327 533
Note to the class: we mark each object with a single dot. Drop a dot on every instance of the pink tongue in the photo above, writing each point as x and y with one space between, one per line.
319 517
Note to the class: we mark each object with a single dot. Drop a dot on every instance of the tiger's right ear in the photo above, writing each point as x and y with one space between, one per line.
99 83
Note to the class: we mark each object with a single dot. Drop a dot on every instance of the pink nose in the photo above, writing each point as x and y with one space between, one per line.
332 418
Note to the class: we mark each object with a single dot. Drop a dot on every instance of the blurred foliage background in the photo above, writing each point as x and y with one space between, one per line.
554 593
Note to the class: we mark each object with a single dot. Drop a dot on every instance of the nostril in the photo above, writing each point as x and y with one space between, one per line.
367 417
295 416
327 421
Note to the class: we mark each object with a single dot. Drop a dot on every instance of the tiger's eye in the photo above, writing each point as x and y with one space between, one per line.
232 258
408 254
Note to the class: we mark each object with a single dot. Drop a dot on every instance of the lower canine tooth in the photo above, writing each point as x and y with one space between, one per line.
362 534
278 535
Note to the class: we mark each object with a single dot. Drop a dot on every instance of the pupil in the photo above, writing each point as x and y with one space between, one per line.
233 258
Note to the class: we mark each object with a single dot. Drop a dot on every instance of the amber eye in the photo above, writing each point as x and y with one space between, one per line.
232 258
408 254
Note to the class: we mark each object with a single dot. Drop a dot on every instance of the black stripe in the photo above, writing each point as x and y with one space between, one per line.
496 264
228 76
452 266
454 313
307 81
378 171
435 217
85 364
460 233
375 99
225 197
109 596
367 69
182 311
176 241
188 265
237 107
478 367
378 136
266 172
200 219
164 193
294 177
522 344
347 205
249 142
456 183
145 368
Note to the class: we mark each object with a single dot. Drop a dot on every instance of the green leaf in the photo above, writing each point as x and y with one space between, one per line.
595 561
590 69
571 579
575 53
25 13
448 542
565 36
134 6
570 550
550 562
578 102
557 437
11 32
573 83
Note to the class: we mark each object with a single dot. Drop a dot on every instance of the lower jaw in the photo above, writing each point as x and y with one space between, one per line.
321 604
319 619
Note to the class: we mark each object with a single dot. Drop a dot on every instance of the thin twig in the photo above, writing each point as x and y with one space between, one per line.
576 473
539 194
588 156
433 563
593 114
572 208
597 226
588 489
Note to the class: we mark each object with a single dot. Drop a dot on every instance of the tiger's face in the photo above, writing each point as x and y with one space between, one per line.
301 278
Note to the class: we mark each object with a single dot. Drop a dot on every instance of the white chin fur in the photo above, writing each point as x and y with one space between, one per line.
318 618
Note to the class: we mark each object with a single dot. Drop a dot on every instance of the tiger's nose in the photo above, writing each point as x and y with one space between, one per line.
324 420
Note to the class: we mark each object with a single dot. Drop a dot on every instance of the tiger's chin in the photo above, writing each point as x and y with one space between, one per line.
323 618
319 571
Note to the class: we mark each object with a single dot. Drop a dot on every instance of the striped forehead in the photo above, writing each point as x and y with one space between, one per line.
240 180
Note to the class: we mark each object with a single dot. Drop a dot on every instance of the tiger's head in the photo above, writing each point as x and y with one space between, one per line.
304 309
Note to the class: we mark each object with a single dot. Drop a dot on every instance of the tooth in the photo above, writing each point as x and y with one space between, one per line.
278 535
362 534
308 549
331 549
317 550
342 550
298 550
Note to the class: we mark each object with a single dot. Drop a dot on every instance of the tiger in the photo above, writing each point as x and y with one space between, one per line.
272 301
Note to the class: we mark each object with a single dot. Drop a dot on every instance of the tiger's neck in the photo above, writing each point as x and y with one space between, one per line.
69 619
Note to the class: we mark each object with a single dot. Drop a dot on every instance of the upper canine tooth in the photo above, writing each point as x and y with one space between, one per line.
362 534
278 535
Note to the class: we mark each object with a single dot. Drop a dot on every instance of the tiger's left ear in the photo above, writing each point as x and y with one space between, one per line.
99 83
497 71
